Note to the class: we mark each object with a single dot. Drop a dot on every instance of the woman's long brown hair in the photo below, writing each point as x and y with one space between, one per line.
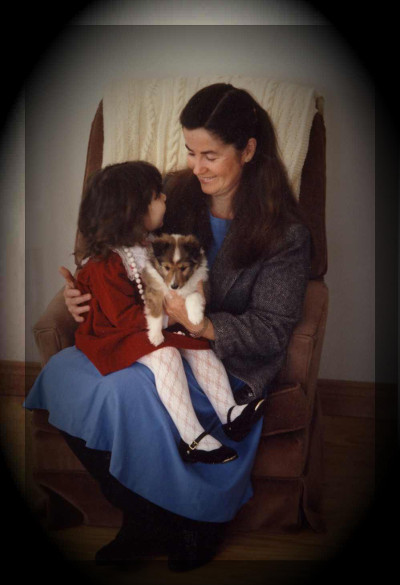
264 203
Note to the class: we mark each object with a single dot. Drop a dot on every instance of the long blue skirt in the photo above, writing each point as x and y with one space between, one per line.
122 413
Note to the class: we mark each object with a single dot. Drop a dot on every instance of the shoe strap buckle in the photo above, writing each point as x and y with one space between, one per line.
197 440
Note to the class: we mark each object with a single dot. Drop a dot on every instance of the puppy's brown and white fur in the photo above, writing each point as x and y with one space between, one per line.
175 262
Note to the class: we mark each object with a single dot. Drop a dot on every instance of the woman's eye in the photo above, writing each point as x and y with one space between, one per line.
208 158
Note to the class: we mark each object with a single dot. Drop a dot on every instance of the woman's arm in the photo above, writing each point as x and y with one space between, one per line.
73 297
274 307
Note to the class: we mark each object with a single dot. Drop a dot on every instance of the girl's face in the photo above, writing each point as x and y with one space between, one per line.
155 212
218 166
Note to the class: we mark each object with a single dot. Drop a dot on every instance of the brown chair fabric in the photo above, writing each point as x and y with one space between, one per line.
55 329
288 472
312 195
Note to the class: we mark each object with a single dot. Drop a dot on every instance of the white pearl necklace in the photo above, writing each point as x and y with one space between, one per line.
135 271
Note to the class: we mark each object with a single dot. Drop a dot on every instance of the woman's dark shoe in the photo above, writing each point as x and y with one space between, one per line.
239 428
191 454
181 565
189 550
127 549
115 553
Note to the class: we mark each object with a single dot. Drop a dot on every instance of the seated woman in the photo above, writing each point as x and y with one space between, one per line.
236 198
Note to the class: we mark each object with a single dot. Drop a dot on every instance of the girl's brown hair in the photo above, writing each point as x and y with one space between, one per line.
264 204
113 207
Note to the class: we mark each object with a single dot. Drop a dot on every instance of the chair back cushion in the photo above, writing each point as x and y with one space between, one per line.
139 119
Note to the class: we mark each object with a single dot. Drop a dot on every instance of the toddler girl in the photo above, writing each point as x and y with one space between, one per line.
123 203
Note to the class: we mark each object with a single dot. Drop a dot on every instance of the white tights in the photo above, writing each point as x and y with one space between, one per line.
172 387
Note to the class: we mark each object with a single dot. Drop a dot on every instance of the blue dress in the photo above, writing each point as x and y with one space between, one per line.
122 413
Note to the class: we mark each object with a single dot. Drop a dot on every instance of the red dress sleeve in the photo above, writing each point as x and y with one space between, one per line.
114 332
116 296
115 305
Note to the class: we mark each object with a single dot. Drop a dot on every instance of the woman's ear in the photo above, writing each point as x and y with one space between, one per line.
249 150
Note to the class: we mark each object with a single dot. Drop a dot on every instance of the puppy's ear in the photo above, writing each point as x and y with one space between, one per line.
159 246
193 249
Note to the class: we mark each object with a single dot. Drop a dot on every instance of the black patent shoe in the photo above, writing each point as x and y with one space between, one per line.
191 454
241 426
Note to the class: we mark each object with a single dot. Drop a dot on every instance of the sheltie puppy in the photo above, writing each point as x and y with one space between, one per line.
178 263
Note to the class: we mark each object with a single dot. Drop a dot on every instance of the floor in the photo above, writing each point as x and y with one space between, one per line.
244 558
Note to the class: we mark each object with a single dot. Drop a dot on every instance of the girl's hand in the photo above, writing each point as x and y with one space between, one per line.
73 297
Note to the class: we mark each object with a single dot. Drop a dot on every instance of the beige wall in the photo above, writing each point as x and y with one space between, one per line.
61 98
12 235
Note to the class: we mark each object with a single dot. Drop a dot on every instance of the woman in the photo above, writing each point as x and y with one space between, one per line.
235 196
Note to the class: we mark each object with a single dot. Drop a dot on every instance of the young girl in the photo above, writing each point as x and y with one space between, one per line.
122 205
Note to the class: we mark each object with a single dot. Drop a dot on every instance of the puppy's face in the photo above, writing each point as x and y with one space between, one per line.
176 258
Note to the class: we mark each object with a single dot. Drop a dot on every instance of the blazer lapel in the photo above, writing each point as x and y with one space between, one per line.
223 274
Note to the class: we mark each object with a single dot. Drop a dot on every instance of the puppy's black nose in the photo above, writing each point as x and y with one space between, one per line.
174 286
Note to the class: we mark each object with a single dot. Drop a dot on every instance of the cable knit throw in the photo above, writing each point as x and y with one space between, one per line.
141 119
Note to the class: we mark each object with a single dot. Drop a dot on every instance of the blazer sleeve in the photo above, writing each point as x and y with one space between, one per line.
275 306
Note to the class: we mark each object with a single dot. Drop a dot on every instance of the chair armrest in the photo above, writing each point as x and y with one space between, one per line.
55 329
304 351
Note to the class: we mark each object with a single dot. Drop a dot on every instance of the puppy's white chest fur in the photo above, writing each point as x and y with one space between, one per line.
175 263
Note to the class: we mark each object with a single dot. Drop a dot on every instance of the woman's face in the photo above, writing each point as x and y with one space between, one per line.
155 213
218 166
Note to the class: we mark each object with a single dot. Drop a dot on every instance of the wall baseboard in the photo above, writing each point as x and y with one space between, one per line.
338 397
16 378
347 398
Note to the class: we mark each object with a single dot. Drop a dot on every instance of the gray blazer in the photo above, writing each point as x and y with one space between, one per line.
254 310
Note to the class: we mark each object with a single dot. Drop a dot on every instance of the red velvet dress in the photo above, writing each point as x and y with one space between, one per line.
114 333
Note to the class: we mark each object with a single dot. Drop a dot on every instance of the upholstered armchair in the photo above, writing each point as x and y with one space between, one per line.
288 470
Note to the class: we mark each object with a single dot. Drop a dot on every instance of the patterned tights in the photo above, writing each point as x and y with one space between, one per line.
172 387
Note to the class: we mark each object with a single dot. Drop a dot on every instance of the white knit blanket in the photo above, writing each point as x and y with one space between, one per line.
141 119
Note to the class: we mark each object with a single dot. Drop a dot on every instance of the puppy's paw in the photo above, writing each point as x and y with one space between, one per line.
155 337
195 308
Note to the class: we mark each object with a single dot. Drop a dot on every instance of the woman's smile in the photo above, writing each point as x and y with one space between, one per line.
218 166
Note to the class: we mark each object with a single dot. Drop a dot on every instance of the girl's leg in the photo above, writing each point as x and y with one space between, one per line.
211 375
172 387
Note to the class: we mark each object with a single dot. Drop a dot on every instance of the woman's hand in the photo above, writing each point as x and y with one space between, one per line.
73 297
175 308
